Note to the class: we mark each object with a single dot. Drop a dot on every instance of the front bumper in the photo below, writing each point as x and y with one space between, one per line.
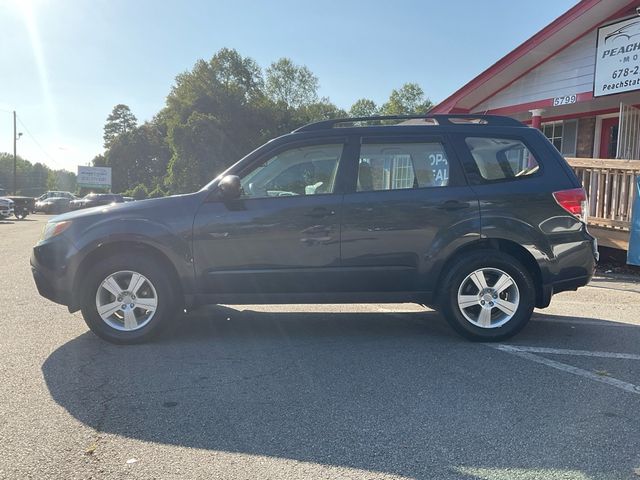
50 262
47 287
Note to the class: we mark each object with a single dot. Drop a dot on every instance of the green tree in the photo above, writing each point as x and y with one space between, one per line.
363 108
291 85
23 171
215 114
33 179
315 112
119 121
61 180
407 100
140 156
99 161
39 175
201 151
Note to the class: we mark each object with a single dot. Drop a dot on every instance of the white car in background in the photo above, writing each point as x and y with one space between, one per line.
6 207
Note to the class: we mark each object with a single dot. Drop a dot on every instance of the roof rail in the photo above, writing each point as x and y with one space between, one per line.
441 119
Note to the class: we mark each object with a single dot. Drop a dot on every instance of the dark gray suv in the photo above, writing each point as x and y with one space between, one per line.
477 216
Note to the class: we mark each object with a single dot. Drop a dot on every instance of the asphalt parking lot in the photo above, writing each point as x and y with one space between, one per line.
326 391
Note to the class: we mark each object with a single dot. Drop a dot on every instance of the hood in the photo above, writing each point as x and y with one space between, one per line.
130 209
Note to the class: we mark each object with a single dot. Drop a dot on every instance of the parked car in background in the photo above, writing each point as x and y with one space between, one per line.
96 200
53 205
45 203
23 206
477 216
56 194
6 207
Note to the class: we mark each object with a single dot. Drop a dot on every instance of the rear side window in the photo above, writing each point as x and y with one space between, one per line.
501 158
396 166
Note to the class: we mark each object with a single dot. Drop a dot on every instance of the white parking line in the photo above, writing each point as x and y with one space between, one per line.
563 351
589 323
523 352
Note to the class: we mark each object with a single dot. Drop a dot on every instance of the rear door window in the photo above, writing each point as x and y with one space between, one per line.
396 166
502 158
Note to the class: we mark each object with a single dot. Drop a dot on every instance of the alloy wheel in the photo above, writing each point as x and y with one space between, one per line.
126 300
488 298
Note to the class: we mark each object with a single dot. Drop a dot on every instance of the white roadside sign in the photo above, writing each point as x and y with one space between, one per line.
94 177
618 58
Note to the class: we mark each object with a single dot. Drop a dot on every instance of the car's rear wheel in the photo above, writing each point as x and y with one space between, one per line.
488 296
127 299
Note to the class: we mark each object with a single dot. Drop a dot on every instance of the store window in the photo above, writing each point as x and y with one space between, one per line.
563 135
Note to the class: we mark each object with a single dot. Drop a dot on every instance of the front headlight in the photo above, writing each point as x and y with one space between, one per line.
51 229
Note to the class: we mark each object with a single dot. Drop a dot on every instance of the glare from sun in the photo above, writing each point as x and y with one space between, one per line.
27 11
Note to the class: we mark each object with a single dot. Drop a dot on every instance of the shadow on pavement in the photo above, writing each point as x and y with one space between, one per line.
388 392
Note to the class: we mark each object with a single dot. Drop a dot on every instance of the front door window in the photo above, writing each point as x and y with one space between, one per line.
300 171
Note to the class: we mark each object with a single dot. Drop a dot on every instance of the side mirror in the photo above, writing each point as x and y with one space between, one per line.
229 187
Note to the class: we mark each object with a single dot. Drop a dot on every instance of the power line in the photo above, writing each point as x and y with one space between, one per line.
38 143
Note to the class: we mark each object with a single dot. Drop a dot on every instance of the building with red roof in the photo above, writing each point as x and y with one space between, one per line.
578 80
569 79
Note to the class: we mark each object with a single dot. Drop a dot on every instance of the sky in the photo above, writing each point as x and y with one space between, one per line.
66 63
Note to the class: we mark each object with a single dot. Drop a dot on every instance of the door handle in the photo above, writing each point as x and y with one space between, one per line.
451 205
320 212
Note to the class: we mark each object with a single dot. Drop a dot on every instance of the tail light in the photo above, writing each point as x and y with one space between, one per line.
573 201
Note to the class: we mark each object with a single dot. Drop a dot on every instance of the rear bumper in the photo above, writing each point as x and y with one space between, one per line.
571 284
574 266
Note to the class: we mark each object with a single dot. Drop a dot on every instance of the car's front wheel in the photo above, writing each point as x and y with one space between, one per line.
488 296
127 299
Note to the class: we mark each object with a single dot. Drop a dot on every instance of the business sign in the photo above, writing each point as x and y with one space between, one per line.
618 58
94 177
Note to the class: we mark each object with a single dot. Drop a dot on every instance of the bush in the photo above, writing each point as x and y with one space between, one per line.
139 192
157 193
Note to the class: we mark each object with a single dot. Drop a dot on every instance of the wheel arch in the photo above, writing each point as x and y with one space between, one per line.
543 294
117 247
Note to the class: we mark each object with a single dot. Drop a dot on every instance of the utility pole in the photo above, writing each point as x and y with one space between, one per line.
15 157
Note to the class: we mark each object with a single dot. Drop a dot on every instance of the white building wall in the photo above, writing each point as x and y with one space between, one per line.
569 72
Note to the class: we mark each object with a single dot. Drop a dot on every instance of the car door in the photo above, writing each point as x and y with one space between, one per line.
283 234
407 205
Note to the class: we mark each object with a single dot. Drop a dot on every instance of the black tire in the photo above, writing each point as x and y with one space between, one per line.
157 277
457 279
21 215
